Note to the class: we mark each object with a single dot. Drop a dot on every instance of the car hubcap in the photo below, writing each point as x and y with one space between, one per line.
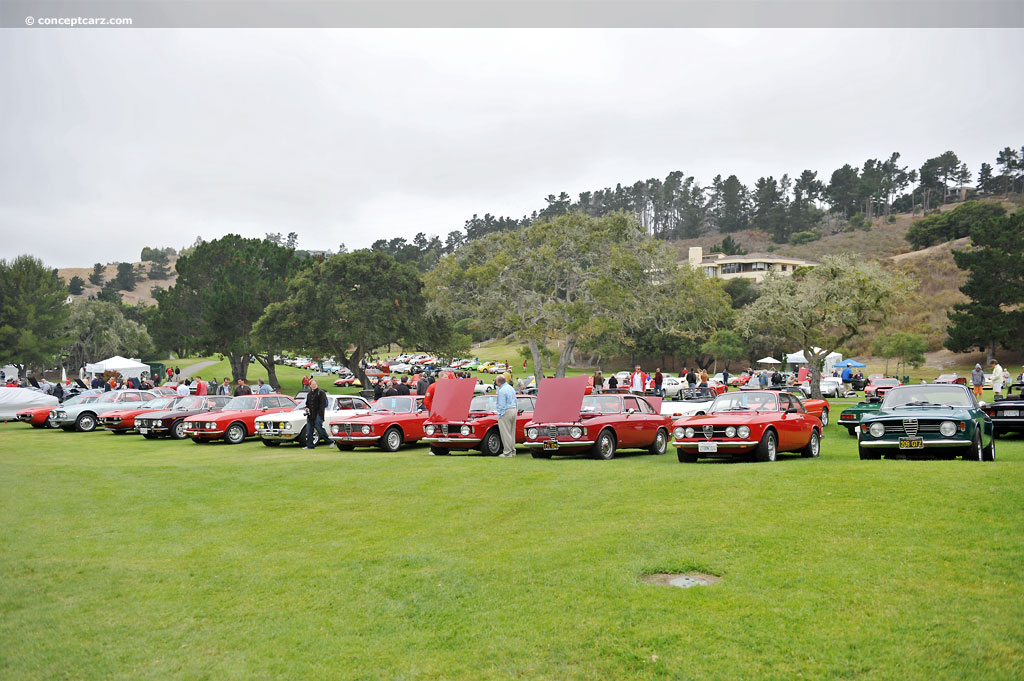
814 445
824 418
179 430
393 440
606 445
661 441
87 423
771 448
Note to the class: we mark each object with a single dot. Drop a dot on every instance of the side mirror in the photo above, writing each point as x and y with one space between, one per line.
631 411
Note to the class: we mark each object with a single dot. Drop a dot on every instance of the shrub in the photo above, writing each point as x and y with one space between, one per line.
804 237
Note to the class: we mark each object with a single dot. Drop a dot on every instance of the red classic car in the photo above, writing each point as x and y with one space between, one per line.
236 420
461 421
566 421
392 422
172 421
758 422
880 386
39 417
123 420
819 408
739 380
951 378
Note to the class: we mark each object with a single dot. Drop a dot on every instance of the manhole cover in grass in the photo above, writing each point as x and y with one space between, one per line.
682 580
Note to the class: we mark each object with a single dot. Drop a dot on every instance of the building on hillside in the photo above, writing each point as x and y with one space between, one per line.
751 266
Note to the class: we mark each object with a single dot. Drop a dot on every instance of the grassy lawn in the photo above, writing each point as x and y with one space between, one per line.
122 558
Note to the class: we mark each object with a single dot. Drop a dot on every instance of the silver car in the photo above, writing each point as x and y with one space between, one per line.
84 417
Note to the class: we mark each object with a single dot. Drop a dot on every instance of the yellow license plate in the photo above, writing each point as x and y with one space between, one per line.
911 443
550 444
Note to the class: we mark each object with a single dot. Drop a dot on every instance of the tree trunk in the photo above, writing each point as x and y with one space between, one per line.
267 361
239 366
815 363
354 362
564 356
538 361
990 351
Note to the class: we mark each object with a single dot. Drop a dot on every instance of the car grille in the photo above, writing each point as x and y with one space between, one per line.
912 427
444 428
347 428
553 431
712 431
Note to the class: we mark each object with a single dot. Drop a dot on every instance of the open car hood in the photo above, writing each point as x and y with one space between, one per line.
452 398
559 399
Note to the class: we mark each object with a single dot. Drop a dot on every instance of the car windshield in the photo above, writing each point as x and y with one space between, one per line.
600 404
157 403
107 397
927 395
395 404
79 399
886 382
242 402
484 403
189 403
745 401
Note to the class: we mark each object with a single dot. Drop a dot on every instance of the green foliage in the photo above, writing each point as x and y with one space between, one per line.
728 247
76 286
159 271
98 329
725 345
857 221
995 285
804 237
97 274
823 307
109 294
223 287
32 312
742 291
126 277
904 346
953 224
160 256
769 212
472 328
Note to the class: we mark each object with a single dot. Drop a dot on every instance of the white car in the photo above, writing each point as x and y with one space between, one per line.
401 368
498 369
290 426
688 406
672 385
830 387
482 388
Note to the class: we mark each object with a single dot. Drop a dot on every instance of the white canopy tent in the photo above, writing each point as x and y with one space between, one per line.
830 359
126 367
768 360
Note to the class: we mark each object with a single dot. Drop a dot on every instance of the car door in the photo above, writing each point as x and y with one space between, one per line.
524 406
794 431
631 432
651 422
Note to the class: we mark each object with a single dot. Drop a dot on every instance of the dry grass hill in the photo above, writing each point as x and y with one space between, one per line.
143 292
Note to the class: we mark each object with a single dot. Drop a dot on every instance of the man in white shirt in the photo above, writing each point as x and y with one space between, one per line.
997 380
182 389
637 381
507 412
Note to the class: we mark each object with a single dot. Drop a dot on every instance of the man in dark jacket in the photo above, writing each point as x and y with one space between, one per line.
422 385
403 387
242 388
316 403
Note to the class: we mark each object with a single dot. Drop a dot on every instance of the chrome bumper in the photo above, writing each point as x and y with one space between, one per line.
453 440
561 445
354 438
720 443
194 433
927 444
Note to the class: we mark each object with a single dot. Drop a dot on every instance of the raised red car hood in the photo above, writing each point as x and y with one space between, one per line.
559 399
452 398
655 402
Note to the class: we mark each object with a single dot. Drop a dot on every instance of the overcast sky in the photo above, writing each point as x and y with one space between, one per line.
117 139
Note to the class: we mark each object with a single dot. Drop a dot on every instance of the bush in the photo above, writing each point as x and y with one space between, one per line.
892 219
857 221
804 237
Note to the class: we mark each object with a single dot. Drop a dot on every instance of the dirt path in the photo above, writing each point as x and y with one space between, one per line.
189 372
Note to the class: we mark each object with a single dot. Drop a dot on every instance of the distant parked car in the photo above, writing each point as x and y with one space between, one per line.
880 386
951 378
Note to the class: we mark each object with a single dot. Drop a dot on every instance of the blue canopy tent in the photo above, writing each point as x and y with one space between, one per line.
850 363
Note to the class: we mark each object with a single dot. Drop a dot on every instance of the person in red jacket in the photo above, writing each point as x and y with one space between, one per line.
201 387
637 381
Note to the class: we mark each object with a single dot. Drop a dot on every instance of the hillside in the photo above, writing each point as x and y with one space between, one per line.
143 289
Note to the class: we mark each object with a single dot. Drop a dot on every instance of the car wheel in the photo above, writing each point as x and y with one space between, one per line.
824 417
989 453
604 448
813 447
271 443
539 453
491 445
440 451
85 423
685 456
392 440
235 434
660 444
301 438
767 448
178 430
974 452
38 425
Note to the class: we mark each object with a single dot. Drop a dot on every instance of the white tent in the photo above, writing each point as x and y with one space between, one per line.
830 359
125 367
9 370
768 360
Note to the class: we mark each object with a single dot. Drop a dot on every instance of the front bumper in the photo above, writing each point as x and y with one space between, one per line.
203 433
946 442
277 434
454 442
724 446
570 444
344 438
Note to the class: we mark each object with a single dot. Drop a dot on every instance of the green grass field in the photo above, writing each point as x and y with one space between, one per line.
122 558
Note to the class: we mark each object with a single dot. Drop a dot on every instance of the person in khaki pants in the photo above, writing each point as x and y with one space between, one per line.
506 416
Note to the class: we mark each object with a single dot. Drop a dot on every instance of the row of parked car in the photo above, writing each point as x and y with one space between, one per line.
563 418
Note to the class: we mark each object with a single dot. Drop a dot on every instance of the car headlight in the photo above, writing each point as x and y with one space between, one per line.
531 433
689 432
465 430
211 425
429 430
335 429
287 426
877 429
677 432
365 430
947 428
260 425
730 431
743 431
576 432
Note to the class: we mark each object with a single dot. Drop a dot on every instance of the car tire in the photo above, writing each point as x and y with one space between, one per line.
235 434
685 456
270 443
824 417
491 445
989 453
868 454
39 425
604 446
151 436
540 453
392 439
346 448
974 452
440 451
178 430
301 438
813 448
85 423
660 444
852 431
767 449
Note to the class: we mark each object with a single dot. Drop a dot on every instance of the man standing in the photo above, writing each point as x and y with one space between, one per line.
242 388
506 416
978 380
637 381
725 379
762 379
422 384
658 380
316 403
847 377
263 388
201 386
225 387
403 387
997 379
613 383
182 389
